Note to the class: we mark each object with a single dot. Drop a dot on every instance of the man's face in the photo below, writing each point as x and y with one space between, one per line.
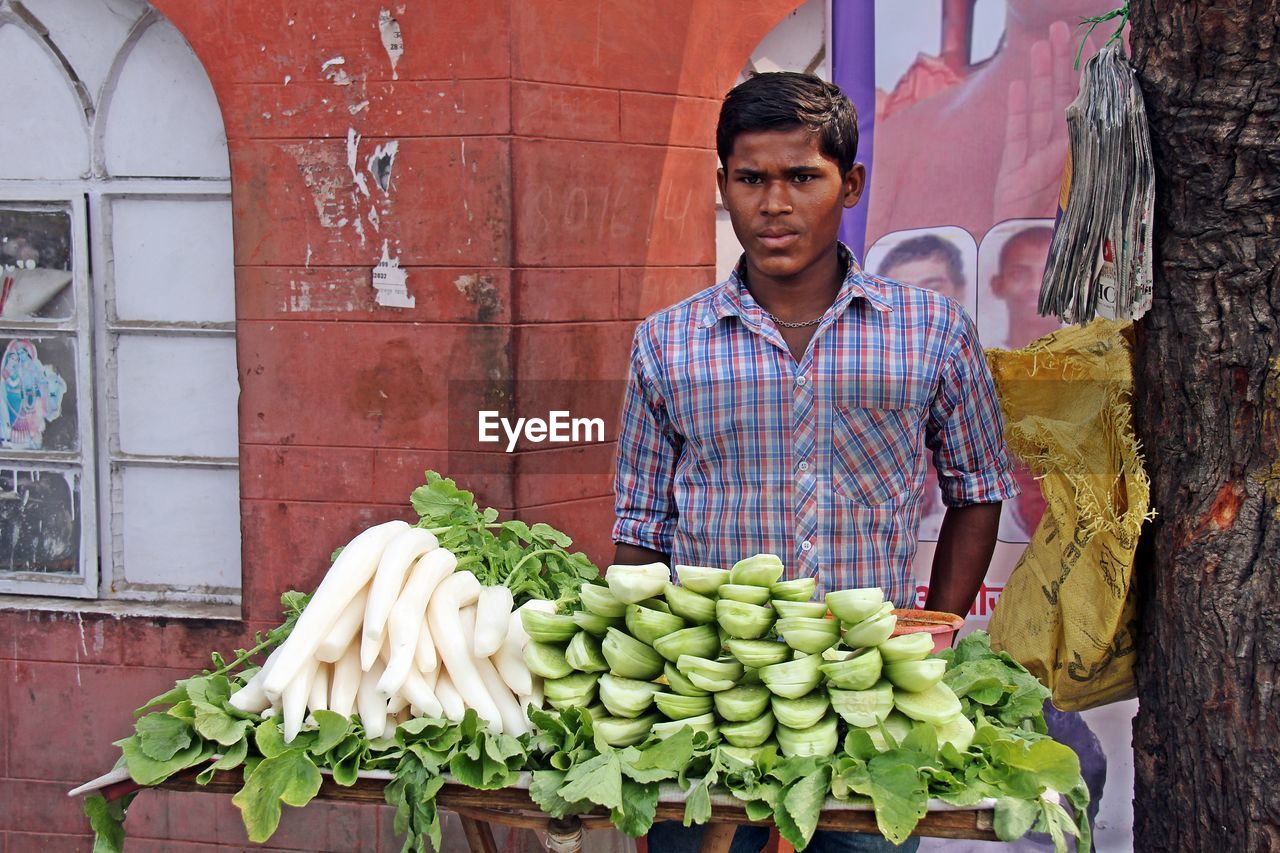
785 199
928 272
1017 282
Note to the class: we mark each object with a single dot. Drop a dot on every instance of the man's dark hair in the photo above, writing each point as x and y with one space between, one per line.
922 247
786 100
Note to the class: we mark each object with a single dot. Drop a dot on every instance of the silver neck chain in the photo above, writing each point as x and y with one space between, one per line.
787 325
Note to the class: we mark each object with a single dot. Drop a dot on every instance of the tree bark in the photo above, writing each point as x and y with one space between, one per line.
1207 736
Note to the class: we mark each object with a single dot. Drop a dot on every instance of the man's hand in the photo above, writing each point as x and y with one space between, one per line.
965 545
634 555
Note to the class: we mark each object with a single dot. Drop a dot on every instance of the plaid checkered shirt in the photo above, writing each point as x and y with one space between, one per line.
730 447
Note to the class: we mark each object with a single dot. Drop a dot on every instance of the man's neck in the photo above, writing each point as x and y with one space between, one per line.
802 297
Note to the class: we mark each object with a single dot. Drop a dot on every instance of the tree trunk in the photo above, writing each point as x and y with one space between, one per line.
1207 736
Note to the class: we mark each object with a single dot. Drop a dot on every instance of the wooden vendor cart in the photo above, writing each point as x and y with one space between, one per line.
512 807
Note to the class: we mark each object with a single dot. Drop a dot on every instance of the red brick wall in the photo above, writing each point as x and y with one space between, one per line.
553 185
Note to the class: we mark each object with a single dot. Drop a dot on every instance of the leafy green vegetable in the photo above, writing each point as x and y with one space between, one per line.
530 560
996 682
289 778
894 765
107 820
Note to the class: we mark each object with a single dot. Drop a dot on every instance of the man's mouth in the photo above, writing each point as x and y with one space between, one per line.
777 239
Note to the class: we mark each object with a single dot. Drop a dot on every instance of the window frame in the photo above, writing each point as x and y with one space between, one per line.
107 331
64 195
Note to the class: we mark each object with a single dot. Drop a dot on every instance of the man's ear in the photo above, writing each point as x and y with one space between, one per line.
721 178
854 182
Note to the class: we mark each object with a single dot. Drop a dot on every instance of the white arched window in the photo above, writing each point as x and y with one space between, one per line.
118 439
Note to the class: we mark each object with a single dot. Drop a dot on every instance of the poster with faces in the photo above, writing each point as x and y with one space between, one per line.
963 133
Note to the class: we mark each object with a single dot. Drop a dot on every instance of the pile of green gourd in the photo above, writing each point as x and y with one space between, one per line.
742 656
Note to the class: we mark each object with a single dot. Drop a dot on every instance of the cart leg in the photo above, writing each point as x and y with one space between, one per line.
564 836
717 838
479 838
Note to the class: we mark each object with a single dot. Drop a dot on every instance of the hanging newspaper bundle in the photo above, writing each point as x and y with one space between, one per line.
1100 258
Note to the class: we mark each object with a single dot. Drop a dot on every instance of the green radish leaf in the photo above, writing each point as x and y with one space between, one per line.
667 755
544 790
289 778
697 806
641 805
107 821
269 739
598 779
1014 818
170 697
900 797
333 727
231 759
801 804
758 810
183 710
218 726
160 736
147 771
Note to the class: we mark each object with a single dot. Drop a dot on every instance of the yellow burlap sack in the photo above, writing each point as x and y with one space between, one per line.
1067 612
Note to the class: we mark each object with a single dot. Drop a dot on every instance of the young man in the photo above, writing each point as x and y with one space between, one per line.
793 408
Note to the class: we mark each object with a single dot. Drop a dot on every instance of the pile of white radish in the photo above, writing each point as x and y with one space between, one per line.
393 631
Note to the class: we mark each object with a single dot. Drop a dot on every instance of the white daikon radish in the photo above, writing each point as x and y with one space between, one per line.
371 705
513 720
450 701
535 697
319 699
421 694
397 704
344 630
509 659
346 682
400 555
406 620
425 656
459 590
251 698
493 614
346 577
293 701
271 712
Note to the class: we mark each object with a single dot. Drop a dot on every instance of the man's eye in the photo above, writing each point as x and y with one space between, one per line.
750 179
803 179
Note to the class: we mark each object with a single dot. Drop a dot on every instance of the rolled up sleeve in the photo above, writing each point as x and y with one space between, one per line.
966 428
648 449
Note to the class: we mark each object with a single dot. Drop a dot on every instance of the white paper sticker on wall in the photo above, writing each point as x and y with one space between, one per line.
389 282
392 40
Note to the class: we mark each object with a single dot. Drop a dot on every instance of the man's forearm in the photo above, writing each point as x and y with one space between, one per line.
965 545
634 555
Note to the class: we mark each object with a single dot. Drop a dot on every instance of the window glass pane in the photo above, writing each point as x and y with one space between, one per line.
163 119
177 395
39 520
38 381
181 526
43 132
35 264
173 260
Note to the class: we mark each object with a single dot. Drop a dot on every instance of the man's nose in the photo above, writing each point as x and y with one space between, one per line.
776 200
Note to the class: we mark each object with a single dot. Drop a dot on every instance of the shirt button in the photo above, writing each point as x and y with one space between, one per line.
804 466
806 545
801 380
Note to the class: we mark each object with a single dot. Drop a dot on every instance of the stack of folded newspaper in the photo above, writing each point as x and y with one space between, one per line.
1100 258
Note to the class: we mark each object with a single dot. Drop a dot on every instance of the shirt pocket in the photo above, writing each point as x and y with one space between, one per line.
874 451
